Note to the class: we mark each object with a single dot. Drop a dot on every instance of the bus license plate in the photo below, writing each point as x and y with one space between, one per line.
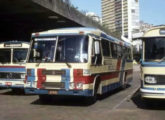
8 83
52 92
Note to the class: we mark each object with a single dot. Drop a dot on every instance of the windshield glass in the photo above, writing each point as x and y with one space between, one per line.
154 48
43 50
72 49
5 55
19 55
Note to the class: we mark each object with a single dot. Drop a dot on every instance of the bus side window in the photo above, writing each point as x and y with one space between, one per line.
124 52
119 51
96 53
105 48
114 50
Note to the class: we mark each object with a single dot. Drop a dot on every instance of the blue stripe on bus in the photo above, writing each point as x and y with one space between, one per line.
153 64
74 92
111 87
55 34
12 70
160 88
31 78
60 92
156 89
66 78
12 86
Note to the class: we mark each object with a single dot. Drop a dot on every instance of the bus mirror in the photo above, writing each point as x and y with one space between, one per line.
97 48
35 53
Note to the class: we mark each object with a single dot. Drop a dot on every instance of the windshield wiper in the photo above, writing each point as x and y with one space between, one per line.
69 66
66 62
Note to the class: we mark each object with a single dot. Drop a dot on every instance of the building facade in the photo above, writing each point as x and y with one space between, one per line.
121 16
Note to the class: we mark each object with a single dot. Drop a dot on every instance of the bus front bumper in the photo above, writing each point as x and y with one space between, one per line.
59 92
155 93
11 84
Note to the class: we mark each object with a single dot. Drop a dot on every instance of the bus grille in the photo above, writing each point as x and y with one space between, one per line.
10 75
160 80
54 85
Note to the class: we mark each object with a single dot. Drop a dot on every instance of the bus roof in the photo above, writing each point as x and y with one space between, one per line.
80 31
158 31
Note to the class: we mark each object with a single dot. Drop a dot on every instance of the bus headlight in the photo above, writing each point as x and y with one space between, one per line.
71 86
150 80
79 85
76 85
22 76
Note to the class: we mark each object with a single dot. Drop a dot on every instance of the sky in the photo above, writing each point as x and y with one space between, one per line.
151 11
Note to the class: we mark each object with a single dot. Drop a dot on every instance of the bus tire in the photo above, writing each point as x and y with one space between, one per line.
95 90
92 99
124 84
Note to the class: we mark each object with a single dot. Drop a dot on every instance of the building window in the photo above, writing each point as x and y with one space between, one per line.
133 10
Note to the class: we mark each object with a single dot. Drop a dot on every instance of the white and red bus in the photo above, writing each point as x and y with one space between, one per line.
12 64
78 62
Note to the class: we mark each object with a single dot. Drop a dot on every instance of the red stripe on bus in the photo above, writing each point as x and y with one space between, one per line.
41 78
90 79
84 79
109 76
118 64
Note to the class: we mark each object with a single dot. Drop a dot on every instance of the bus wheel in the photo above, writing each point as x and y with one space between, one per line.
44 98
93 98
124 84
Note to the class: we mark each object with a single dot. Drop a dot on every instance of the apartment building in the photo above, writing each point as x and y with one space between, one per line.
121 16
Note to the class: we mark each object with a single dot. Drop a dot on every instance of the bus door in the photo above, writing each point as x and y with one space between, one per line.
123 58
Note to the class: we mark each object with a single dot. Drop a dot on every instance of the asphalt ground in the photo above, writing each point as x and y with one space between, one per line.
117 105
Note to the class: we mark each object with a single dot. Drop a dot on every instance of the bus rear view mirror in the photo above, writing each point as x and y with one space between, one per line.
97 48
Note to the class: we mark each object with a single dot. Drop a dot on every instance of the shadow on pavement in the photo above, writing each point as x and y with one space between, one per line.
14 92
64 101
106 95
148 104
73 100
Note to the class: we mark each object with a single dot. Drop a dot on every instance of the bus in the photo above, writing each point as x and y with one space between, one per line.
77 62
12 64
153 64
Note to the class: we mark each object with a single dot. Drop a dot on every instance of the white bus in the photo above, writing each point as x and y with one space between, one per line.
12 64
77 61
153 64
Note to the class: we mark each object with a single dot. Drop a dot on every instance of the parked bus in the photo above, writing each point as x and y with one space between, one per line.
12 64
153 64
78 62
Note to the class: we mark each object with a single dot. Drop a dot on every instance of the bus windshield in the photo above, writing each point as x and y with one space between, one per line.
154 48
71 48
19 55
43 50
5 55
